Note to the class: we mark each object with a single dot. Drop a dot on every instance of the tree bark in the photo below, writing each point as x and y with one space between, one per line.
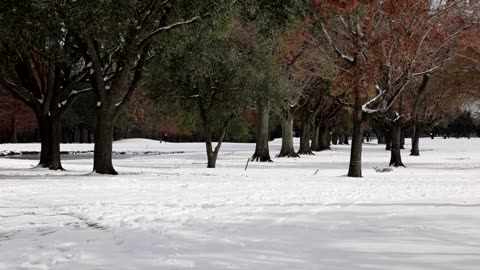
262 153
402 139
102 157
324 138
83 134
355 167
212 154
56 134
287 149
388 140
417 130
395 153
345 139
305 135
417 125
45 136
315 145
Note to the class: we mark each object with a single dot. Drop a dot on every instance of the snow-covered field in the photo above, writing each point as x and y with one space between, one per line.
170 212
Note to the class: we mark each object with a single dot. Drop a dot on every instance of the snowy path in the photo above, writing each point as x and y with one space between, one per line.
169 212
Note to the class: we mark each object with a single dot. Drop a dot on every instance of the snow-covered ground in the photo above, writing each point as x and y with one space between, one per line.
169 212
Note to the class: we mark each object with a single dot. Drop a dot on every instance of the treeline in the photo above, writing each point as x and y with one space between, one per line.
216 70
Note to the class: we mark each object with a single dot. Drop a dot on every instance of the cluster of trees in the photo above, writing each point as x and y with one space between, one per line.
332 68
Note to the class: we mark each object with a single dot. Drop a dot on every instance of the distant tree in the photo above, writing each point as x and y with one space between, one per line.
14 116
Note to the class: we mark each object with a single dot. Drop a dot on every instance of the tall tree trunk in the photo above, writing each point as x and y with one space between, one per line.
345 139
102 157
402 139
305 135
287 149
417 125
83 134
56 134
417 130
324 138
315 145
45 136
13 127
334 138
262 153
395 153
355 167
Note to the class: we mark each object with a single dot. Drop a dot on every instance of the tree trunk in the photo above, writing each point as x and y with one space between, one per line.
13 133
102 157
324 138
388 140
212 154
56 134
287 136
355 167
305 135
381 139
402 139
395 153
345 139
334 138
83 134
262 153
417 130
45 135
212 159
315 145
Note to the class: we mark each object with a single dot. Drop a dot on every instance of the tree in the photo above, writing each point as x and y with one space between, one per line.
383 45
116 53
271 20
44 72
213 73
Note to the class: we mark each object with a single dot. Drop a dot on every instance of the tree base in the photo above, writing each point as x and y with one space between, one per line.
355 171
257 158
288 155
322 149
306 153
396 165
107 171
56 168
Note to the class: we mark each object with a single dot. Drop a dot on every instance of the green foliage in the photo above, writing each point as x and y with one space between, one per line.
211 70
239 131
462 125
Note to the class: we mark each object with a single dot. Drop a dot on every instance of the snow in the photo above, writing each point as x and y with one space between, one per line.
168 211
